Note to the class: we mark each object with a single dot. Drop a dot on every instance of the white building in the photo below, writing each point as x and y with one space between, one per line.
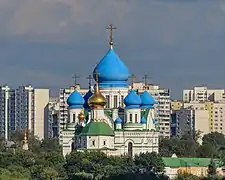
113 118
202 93
162 105
4 112
24 108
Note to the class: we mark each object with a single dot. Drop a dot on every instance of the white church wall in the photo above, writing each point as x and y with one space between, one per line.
67 141
133 115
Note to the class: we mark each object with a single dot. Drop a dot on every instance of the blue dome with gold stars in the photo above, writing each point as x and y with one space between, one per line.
147 100
75 100
132 100
112 71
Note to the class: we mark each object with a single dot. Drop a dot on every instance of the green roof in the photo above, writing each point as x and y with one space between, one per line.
186 162
97 129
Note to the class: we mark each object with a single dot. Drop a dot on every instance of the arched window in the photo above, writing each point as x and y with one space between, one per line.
130 149
72 146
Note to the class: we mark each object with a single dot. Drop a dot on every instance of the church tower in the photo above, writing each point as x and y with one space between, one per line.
113 76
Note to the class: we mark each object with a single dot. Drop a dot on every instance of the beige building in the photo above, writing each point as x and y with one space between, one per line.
42 127
216 114
187 121
202 93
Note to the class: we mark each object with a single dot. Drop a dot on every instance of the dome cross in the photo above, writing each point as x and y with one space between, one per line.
146 81
133 78
111 27
75 77
89 81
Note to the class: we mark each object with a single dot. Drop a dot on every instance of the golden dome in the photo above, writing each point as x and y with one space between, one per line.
97 100
81 116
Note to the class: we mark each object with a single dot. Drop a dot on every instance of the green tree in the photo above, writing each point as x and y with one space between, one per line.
151 162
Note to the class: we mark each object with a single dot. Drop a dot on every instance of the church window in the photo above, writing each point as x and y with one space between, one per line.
130 149
136 118
104 143
74 117
122 97
93 143
107 101
115 101
130 117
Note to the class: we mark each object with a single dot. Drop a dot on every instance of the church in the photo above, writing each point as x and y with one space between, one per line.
112 118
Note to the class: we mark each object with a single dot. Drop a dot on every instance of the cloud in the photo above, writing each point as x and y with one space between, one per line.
171 40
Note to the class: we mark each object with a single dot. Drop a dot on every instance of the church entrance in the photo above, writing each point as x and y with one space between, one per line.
130 149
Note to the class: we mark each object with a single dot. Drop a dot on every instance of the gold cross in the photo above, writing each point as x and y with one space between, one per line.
96 74
111 28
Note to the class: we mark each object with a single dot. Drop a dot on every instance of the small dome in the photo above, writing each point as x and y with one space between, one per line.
75 100
86 97
112 71
118 121
132 100
97 100
143 120
147 100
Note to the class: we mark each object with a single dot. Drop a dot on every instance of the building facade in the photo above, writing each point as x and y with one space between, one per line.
202 93
188 121
23 108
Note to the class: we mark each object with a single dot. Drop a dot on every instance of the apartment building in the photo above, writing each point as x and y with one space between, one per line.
202 93
187 121
4 111
216 114
176 105
23 108
162 105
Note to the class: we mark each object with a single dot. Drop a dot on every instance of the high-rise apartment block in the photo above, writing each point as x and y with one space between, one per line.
202 93
188 121
24 108
163 109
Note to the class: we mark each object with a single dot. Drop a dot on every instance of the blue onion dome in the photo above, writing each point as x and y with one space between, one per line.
143 120
75 100
86 97
147 100
132 100
112 71
118 121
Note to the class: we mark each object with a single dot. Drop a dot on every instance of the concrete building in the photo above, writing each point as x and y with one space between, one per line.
176 105
4 111
54 116
202 93
162 105
23 108
216 114
187 121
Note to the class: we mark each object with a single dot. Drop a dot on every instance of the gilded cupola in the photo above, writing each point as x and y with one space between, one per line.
97 100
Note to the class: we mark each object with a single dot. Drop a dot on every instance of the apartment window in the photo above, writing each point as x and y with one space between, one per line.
74 117
136 118
130 117
115 101
107 101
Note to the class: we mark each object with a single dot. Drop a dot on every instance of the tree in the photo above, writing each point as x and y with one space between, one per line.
151 162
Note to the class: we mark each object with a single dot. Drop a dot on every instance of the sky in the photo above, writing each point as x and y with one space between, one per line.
178 43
